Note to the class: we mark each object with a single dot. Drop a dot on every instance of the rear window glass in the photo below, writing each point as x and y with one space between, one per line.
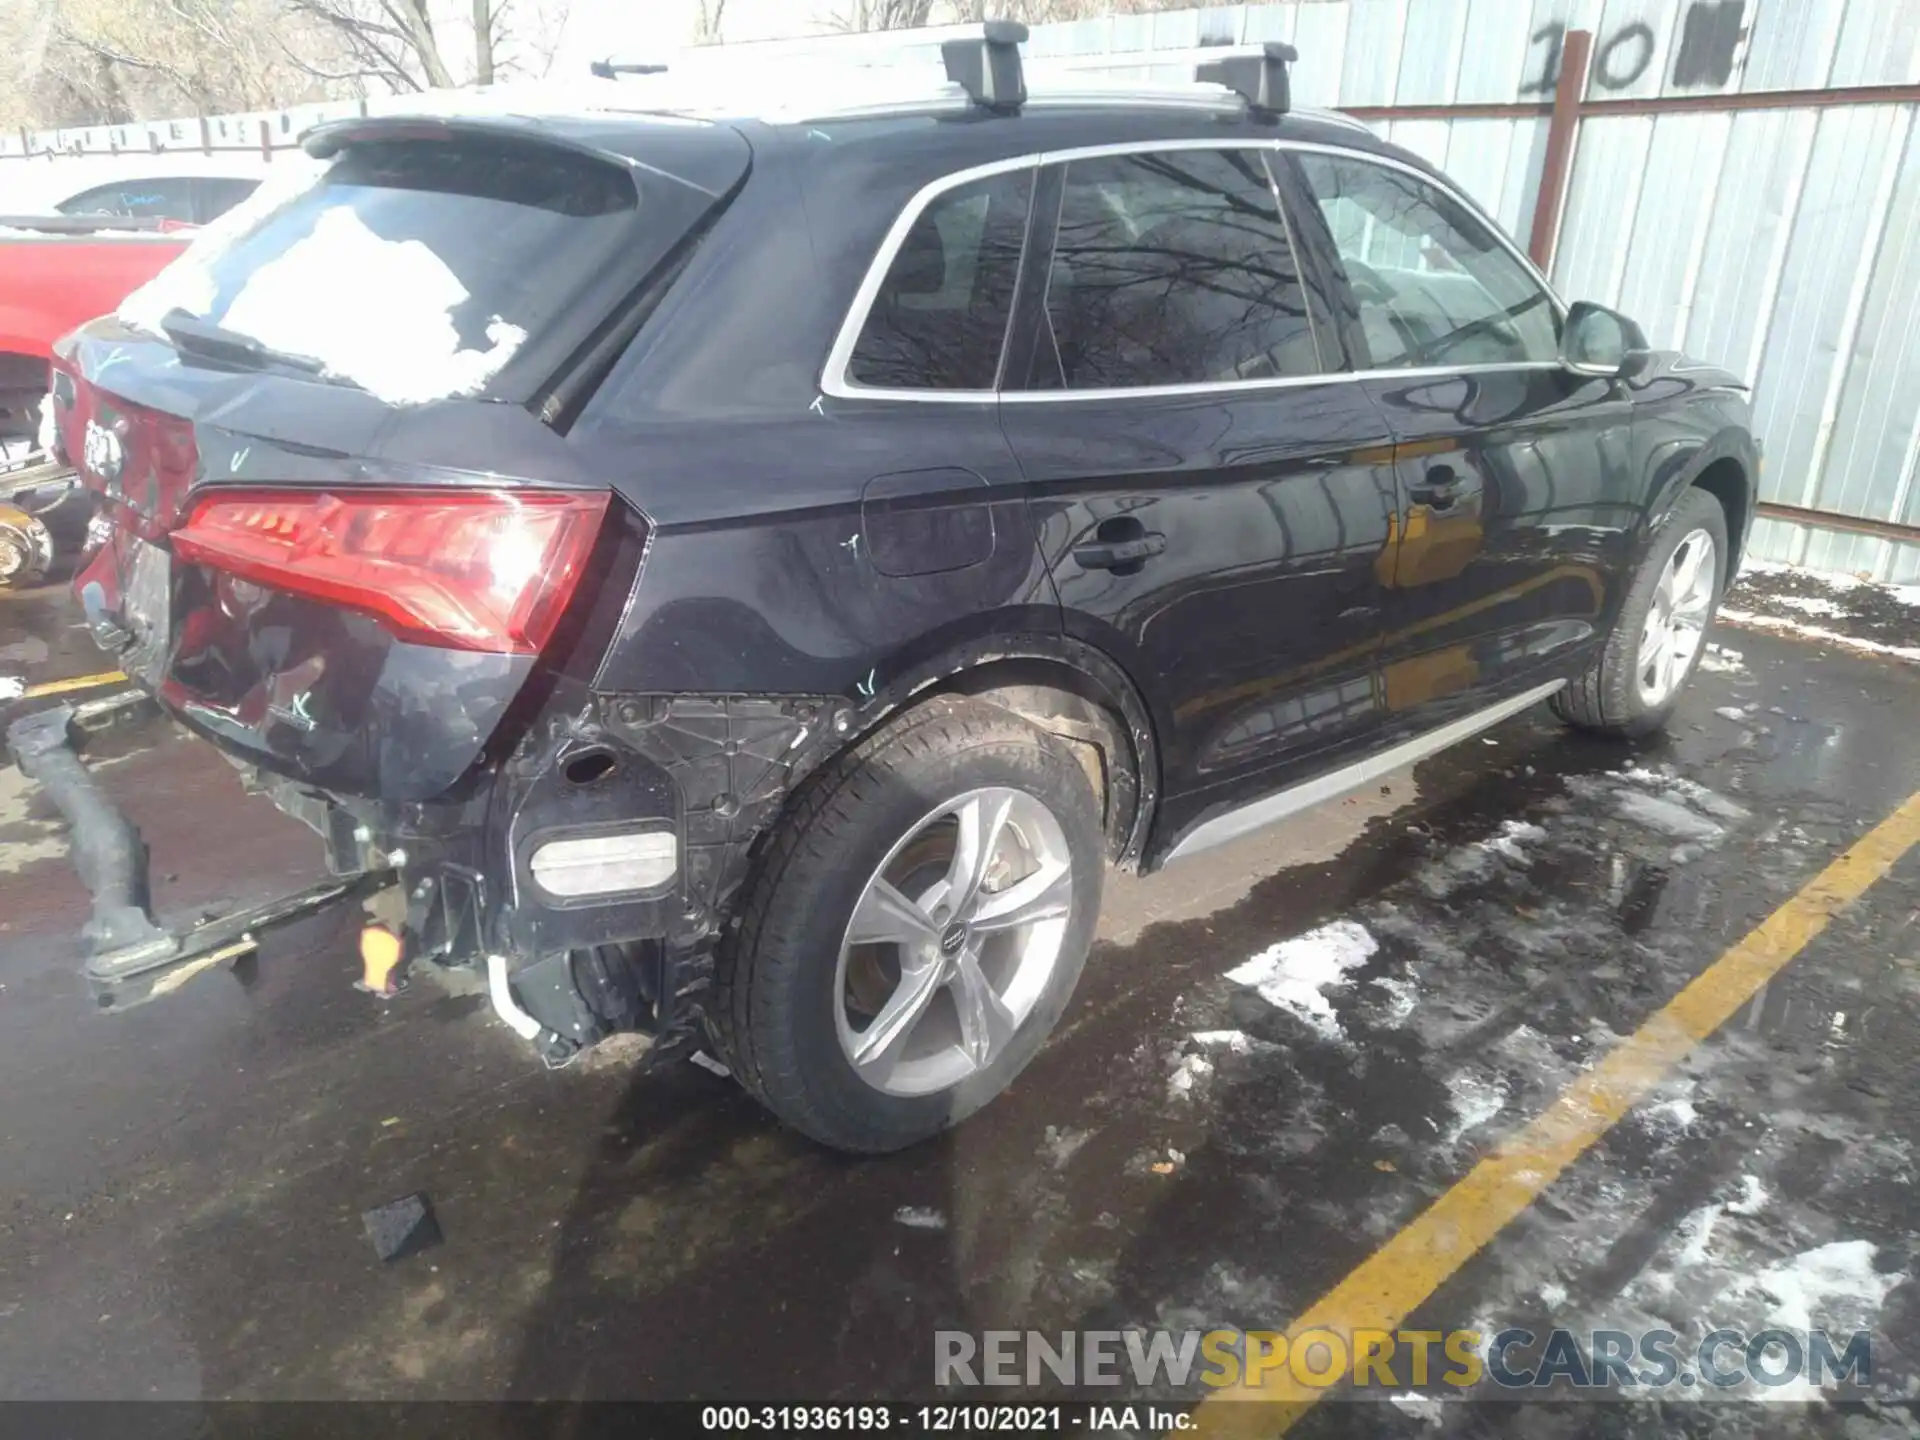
416 269
941 314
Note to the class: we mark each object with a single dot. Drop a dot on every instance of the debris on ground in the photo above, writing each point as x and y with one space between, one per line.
402 1227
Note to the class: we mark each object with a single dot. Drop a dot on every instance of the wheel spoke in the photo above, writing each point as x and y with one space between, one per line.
877 1048
886 917
986 1025
1046 894
1687 569
982 819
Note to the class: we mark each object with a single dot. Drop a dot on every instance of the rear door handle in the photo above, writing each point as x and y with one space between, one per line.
1111 554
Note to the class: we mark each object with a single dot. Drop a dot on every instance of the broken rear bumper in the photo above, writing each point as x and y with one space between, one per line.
459 879
131 957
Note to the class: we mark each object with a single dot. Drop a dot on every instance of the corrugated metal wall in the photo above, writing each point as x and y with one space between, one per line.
1782 243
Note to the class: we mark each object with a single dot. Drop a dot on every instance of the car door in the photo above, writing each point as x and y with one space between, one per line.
1515 488
1213 499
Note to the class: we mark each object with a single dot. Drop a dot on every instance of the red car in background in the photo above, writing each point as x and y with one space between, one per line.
57 273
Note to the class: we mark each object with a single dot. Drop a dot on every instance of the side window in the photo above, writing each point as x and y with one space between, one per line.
940 317
220 194
136 200
1434 285
1172 268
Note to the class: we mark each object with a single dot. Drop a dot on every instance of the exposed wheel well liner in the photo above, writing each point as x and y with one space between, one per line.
1726 480
1073 706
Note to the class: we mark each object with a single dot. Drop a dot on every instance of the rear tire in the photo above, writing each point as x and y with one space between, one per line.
1635 682
826 961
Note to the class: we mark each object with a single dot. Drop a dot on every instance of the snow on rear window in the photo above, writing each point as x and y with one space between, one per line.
411 268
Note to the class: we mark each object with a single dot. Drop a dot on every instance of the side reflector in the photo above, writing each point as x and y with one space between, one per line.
466 569
606 864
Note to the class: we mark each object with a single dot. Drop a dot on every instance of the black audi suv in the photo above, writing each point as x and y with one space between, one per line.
740 567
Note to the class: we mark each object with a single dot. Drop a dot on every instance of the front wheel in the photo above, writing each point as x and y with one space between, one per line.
1634 684
914 930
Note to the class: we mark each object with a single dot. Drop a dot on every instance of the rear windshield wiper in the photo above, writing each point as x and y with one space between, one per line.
211 341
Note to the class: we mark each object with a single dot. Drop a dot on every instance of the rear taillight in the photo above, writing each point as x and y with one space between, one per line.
468 569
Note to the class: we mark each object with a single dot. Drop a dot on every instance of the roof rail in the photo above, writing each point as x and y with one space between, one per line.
1260 80
988 68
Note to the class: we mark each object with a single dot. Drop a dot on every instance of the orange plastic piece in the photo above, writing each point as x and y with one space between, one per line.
380 954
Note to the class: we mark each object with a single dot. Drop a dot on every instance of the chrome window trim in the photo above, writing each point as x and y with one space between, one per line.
835 382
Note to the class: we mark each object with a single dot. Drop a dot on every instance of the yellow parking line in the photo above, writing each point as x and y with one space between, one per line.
78 682
1391 1283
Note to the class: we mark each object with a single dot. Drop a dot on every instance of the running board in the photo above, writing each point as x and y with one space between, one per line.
1269 809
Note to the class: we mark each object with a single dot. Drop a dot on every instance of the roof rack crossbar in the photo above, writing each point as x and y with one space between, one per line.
1260 80
988 68
607 70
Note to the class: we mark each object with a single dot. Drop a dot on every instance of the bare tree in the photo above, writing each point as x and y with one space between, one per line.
707 21
908 14
112 61
391 41
883 15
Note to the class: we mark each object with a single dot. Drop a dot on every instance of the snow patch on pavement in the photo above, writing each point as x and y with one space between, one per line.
1295 974
1674 1112
1422 1407
1722 661
1403 997
1753 1197
1237 1041
44 839
1475 1100
1512 836
1669 817
1751 620
1191 1071
12 687
1810 604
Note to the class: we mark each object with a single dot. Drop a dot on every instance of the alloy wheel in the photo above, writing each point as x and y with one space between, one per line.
1677 620
953 942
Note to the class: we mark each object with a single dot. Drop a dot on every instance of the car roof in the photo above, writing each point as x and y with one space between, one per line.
639 118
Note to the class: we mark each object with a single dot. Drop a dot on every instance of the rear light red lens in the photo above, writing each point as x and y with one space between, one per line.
467 569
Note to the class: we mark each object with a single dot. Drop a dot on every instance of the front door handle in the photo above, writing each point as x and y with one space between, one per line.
1440 488
1113 554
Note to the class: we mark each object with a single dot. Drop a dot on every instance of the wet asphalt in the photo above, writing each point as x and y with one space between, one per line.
183 1184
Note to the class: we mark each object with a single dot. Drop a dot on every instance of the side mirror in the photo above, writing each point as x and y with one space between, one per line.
1599 341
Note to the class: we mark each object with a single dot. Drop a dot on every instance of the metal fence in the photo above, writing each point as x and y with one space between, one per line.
1739 175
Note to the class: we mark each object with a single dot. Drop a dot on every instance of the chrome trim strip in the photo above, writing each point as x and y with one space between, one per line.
1278 806
834 379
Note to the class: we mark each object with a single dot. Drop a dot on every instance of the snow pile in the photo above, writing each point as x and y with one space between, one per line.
1293 975
375 312
188 283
